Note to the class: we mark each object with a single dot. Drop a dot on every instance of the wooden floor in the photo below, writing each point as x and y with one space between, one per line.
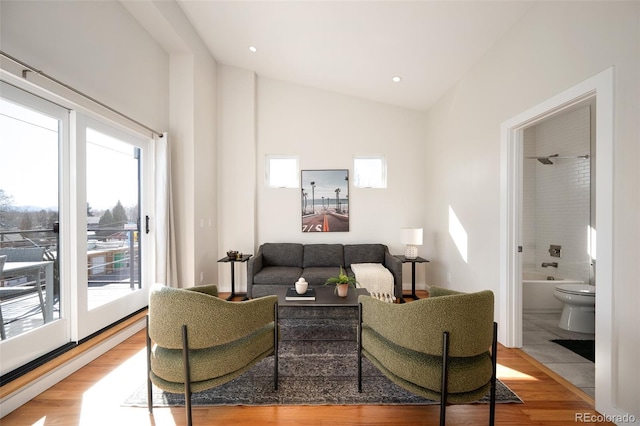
93 396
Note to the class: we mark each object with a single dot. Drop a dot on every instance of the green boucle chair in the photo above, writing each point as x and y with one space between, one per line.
436 347
197 341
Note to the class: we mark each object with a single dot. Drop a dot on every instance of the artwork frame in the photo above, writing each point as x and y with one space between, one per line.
324 200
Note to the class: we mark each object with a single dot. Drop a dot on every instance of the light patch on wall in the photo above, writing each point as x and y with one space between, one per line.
458 234
591 245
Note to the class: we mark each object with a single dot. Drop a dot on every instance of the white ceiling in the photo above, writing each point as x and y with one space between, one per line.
356 47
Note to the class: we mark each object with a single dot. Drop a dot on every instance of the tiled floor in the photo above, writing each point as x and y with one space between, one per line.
538 330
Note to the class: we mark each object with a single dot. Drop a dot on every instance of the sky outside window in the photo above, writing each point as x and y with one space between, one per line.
28 156
112 172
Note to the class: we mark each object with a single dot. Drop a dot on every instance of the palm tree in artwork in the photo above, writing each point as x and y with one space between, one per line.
304 196
346 178
304 202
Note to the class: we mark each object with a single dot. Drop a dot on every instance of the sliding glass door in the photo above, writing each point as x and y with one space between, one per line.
32 299
75 258
113 249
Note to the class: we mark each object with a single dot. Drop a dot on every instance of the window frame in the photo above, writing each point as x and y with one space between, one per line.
92 320
25 347
382 178
293 180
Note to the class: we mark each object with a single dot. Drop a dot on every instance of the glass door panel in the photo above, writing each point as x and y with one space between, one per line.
32 133
111 265
29 286
113 218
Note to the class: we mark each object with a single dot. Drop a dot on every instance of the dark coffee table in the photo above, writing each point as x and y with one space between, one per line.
325 296
328 318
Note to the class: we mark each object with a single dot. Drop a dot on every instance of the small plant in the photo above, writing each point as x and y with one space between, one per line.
341 279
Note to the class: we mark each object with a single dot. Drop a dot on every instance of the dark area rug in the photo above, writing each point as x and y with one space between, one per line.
584 348
311 372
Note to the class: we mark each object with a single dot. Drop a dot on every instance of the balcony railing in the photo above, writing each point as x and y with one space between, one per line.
113 270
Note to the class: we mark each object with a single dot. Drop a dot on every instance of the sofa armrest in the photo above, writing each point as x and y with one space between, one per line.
394 265
254 266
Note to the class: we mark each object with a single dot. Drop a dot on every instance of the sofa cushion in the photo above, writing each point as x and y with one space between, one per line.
323 255
318 275
286 275
363 253
282 254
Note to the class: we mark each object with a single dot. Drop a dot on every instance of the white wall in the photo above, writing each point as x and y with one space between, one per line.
206 178
236 170
75 42
554 47
325 130
192 133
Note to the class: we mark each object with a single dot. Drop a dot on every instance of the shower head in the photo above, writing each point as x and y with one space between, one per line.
546 160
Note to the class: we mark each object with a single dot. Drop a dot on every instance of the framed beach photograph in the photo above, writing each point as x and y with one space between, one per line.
325 200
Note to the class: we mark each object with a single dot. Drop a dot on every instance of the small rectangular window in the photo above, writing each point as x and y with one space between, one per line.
282 171
370 171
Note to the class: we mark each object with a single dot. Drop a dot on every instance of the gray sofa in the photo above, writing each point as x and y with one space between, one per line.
281 264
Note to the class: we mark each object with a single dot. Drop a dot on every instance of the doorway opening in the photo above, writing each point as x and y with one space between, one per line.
600 88
558 256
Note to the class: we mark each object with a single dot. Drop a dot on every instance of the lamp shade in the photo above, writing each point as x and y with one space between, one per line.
412 236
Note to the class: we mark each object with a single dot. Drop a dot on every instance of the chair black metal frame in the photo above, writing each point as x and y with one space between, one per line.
445 376
445 370
187 370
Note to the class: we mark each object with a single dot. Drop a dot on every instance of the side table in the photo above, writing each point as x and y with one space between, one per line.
413 262
233 261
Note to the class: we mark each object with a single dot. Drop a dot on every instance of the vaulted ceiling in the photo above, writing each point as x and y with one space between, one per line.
356 47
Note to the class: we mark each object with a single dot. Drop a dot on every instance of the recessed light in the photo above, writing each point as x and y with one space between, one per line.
253 49
397 79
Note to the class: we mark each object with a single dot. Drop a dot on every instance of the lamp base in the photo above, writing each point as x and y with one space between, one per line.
411 251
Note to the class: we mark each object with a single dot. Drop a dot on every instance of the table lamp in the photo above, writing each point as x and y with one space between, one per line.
412 237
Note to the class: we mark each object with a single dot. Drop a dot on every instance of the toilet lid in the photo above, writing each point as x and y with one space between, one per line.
582 289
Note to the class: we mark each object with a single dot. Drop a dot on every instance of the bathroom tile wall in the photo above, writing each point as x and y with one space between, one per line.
529 200
556 197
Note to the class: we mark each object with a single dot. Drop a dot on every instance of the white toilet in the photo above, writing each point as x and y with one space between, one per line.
579 309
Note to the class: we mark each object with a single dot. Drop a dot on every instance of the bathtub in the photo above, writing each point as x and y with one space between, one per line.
537 292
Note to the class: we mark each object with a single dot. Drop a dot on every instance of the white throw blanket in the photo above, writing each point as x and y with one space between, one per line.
374 277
